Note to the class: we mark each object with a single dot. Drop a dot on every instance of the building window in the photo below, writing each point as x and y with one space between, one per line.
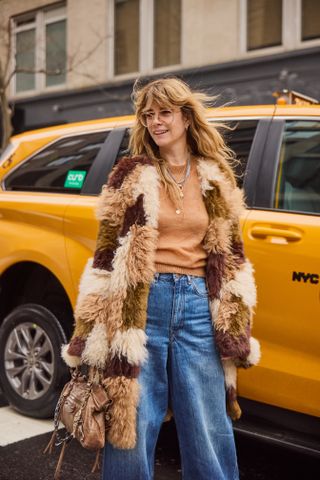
25 57
310 24
55 48
264 23
147 35
126 32
167 32
40 49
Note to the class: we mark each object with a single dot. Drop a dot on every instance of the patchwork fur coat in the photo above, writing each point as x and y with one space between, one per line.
110 315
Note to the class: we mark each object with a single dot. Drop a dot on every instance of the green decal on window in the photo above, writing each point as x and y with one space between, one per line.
75 179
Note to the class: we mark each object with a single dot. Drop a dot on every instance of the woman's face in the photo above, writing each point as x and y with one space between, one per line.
166 126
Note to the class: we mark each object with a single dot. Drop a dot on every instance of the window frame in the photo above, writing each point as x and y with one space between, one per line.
266 179
146 42
291 30
303 43
39 25
241 120
277 178
255 155
104 162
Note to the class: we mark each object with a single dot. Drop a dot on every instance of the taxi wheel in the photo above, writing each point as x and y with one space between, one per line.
32 371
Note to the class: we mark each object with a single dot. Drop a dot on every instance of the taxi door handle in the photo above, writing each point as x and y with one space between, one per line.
264 232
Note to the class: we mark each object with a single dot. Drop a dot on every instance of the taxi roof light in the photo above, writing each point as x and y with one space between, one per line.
291 97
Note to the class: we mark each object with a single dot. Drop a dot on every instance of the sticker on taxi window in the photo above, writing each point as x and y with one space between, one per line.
75 178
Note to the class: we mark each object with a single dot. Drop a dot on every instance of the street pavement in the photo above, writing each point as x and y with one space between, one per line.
22 441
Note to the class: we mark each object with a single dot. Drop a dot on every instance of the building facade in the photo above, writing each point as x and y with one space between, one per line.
75 60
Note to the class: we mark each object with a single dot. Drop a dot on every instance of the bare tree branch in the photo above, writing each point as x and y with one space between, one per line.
89 53
101 89
9 68
8 50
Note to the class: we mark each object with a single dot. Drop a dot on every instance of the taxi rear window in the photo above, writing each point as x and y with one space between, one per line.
60 167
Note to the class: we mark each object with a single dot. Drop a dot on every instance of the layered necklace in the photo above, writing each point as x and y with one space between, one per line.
180 183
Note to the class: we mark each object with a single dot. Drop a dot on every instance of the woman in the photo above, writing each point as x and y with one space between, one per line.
165 308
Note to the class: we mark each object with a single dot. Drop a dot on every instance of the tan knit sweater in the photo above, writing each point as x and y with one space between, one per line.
180 248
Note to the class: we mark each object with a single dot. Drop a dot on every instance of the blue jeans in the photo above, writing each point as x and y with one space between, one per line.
183 369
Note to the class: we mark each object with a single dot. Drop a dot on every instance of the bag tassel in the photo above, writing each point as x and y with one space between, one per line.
58 468
233 407
96 465
49 447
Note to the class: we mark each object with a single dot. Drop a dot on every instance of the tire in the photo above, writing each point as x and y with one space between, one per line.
32 371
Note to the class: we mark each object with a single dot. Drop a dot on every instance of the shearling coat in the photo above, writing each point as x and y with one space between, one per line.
111 310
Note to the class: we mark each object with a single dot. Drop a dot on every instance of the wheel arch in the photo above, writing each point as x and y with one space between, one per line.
31 282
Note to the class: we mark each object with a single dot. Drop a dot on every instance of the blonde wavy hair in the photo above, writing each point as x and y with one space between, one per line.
203 139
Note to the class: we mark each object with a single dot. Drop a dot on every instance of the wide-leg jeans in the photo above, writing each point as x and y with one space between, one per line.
184 370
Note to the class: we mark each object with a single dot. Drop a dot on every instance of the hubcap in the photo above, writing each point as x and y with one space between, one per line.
29 360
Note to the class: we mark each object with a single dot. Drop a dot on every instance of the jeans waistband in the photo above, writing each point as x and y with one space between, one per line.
172 277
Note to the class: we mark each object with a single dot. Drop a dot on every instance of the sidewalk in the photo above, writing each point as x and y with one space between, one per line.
24 460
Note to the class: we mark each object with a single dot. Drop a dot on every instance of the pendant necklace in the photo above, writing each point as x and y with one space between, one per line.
180 183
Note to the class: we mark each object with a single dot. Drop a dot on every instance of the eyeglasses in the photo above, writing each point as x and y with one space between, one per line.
165 115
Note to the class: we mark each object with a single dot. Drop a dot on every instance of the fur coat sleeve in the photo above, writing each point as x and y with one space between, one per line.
230 278
119 268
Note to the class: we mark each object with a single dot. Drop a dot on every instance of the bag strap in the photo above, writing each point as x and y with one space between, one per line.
56 419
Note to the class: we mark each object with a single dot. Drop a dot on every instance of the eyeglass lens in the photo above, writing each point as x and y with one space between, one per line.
165 115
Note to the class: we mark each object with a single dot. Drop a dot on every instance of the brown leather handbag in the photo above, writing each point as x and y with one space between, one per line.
83 410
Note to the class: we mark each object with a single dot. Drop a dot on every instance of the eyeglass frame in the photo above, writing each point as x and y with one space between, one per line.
153 115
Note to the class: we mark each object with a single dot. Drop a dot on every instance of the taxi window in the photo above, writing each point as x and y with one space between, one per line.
298 177
239 138
60 167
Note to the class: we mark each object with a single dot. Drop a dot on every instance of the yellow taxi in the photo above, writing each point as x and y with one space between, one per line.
49 182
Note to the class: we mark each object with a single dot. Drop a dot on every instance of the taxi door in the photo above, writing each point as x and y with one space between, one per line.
282 239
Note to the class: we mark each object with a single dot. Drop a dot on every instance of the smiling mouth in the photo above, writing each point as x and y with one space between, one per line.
160 132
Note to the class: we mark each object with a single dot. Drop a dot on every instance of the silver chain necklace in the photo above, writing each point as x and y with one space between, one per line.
181 183
186 175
